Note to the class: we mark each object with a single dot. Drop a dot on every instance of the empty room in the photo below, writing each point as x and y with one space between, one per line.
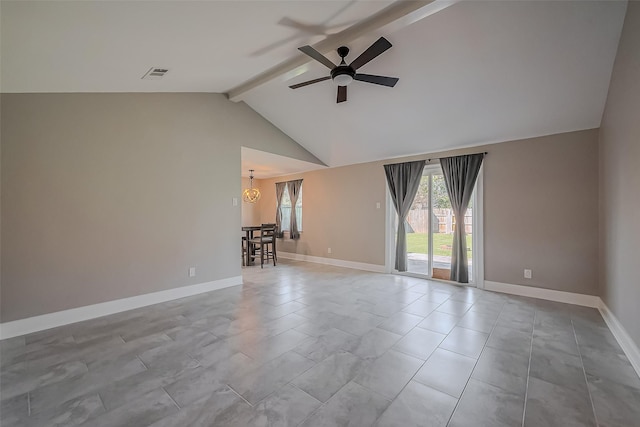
319 213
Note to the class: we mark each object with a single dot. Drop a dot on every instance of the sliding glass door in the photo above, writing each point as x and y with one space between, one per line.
430 225
418 225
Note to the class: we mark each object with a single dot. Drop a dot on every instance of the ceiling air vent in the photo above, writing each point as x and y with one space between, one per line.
155 73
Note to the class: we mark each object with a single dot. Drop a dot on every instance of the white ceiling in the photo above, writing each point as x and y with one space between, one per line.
107 46
268 165
476 72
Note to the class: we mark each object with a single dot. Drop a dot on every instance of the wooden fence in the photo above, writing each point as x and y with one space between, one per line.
443 220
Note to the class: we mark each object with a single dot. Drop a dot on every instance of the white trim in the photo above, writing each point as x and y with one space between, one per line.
430 222
65 317
541 293
629 347
335 262
478 232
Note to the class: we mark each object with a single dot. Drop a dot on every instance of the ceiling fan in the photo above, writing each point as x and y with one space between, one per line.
344 74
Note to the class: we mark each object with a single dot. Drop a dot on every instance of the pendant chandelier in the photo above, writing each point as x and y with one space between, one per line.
251 195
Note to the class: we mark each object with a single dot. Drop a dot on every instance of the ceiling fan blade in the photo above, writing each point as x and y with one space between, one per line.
372 52
342 94
310 82
308 50
378 80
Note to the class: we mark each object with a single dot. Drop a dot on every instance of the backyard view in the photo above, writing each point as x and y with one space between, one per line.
438 206
417 243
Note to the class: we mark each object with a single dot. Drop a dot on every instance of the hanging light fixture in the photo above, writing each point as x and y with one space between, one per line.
251 195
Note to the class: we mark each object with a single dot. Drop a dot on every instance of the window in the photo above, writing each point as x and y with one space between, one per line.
286 210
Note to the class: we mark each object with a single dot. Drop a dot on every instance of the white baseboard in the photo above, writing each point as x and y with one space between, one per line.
331 261
65 317
541 293
629 347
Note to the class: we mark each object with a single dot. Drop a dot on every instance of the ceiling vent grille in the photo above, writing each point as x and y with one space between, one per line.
155 73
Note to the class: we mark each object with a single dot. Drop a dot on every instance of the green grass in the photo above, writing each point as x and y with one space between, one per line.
417 243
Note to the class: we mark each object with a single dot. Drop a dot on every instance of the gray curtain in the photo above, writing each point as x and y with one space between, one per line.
460 174
403 180
280 186
294 188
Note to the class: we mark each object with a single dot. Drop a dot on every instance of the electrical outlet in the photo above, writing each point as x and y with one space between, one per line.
192 272
527 273
328 250
377 205
234 201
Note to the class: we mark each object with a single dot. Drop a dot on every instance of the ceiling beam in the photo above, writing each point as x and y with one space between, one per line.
393 17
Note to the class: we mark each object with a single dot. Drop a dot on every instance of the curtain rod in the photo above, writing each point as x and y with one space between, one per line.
438 158
284 182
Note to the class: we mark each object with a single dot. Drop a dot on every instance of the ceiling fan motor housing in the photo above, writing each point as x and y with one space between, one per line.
342 75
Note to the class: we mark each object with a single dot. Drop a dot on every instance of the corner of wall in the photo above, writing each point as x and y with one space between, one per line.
619 175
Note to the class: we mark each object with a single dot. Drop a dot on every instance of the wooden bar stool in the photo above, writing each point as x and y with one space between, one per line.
266 244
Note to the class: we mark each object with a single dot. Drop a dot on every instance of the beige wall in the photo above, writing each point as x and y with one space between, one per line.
338 212
106 196
620 181
541 212
540 197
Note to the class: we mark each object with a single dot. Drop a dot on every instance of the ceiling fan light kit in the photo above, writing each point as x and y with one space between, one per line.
342 79
342 75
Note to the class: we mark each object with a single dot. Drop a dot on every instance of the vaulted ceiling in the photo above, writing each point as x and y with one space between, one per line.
472 73
476 72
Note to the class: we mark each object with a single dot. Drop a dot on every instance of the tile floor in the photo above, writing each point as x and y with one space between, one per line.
312 345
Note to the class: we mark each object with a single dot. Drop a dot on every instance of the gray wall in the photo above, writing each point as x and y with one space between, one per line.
107 196
541 211
620 181
338 212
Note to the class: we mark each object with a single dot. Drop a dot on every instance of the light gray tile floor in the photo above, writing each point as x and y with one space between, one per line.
313 345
